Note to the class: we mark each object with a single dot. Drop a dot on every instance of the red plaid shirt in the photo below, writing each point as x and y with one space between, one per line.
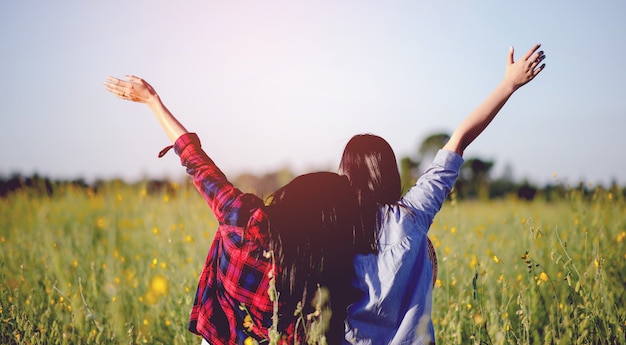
236 272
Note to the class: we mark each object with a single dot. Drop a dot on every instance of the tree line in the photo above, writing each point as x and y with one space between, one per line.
474 181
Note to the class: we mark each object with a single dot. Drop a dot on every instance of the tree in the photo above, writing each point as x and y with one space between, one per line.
429 147
474 178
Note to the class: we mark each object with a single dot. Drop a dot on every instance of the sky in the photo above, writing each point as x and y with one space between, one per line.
269 85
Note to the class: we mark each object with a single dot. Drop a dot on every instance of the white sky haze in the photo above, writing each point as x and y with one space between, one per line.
276 84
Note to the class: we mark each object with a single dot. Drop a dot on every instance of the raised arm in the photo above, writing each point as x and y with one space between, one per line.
138 90
517 74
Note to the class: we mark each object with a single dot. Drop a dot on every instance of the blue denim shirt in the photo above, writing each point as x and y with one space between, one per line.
397 282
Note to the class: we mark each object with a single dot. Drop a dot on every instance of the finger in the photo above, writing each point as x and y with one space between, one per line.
134 78
111 88
511 52
538 70
538 55
112 80
116 90
540 58
532 51
118 82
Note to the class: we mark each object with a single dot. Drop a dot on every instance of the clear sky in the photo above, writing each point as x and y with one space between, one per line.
273 84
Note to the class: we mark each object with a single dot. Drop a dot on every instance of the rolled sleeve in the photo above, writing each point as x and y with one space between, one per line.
432 188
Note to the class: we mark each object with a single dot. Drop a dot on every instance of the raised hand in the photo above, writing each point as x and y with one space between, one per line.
133 89
525 69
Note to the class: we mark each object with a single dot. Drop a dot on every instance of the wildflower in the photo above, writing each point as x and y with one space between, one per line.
478 319
100 223
452 230
495 259
438 283
247 323
159 285
249 341
473 261
543 277
621 236
468 306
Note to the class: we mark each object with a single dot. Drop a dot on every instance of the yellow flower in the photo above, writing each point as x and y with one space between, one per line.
159 285
247 323
473 261
542 277
495 259
249 341
478 319
101 223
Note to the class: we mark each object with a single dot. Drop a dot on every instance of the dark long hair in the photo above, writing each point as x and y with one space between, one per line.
311 225
370 164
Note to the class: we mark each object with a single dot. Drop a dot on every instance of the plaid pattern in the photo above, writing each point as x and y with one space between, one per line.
235 272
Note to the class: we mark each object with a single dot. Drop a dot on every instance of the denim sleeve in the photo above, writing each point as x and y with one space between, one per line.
426 197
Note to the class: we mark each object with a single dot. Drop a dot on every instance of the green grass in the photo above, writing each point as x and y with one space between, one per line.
120 267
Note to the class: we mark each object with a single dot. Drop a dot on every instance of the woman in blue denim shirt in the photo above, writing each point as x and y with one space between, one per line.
394 269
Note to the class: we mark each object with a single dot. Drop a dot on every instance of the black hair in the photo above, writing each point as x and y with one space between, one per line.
370 164
311 226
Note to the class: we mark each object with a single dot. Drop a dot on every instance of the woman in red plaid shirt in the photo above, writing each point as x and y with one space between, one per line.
303 238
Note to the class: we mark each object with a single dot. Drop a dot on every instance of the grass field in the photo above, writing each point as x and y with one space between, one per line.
120 266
